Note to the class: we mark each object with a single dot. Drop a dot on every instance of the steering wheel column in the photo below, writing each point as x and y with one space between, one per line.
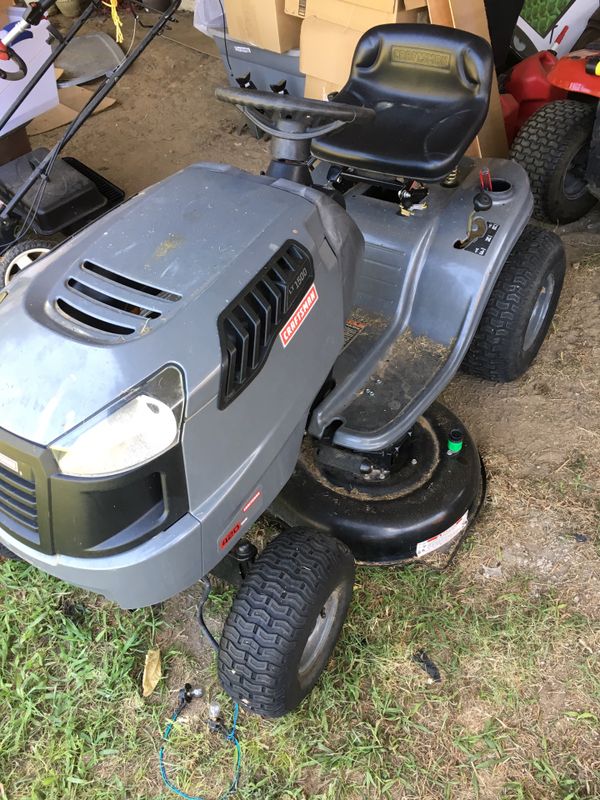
289 157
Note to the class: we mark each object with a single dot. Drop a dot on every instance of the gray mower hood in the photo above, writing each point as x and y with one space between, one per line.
121 299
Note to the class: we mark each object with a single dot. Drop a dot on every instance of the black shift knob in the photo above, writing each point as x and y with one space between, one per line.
482 202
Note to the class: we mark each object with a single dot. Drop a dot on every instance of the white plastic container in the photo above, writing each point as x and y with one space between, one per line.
208 14
45 95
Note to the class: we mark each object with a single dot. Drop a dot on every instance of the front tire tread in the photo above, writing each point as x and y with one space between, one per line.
273 608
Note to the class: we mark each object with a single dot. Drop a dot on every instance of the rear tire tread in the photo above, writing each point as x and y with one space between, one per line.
495 353
541 147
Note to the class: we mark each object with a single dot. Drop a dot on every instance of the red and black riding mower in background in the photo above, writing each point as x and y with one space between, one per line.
553 104
550 112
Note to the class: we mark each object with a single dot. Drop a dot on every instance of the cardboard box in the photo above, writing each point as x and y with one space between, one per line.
326 48
72 100
318 89
440 12
351 15
389 6
297 8
3 13
262 23
471 16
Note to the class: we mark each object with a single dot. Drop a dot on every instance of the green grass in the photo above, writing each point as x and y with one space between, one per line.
73 724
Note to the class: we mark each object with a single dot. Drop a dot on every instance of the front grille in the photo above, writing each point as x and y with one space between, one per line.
18 500
250 324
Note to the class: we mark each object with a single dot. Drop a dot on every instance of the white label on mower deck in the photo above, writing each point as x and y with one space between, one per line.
10 463
429 545
241 49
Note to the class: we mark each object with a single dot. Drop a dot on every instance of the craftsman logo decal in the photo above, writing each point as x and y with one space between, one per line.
9 463
423 58
482 245
436 542
305 307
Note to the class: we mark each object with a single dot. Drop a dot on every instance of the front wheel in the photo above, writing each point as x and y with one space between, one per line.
520 309
285 621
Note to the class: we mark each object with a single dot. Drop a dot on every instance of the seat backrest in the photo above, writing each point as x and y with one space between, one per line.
430 86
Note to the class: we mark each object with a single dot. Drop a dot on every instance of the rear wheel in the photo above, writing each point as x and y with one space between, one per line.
520 309
285 621
22 255
553 147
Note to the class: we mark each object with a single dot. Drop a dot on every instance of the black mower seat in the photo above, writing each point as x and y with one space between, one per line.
430 87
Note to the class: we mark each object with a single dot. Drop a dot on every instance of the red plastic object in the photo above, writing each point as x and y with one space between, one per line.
510 112
530 85
569 74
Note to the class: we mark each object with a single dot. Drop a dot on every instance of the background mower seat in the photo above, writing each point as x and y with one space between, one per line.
430 86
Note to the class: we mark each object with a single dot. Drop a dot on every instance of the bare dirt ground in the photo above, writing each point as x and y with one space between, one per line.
166 115
539 436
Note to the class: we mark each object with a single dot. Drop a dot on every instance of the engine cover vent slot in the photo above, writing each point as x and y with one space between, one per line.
123 280
104 326
112 302
250 324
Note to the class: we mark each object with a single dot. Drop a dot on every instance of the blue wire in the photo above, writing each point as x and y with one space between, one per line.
231 737
236 711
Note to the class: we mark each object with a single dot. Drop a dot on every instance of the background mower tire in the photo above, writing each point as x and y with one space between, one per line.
553 148
520 309
21 255
285 621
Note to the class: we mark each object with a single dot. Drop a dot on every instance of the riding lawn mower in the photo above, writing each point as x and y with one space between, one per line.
559 145
225 344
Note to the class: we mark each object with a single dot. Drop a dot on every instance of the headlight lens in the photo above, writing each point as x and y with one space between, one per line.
134 430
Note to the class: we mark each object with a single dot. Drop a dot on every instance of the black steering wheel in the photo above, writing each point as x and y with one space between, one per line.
270 111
